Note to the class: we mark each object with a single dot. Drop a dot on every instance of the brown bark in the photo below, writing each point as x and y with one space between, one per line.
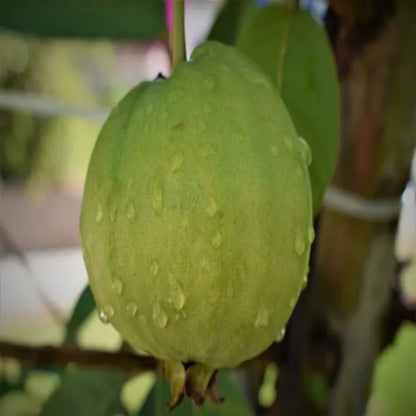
374 49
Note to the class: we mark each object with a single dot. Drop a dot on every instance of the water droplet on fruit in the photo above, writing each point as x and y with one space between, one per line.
131 212
106 313
131 309
99 214
163 116
230 289
261 81
209 83
292 302
299 243
200 126
156 196
306 151
154 268
275 150
288 141
207 150
262 319
117 286
113 212
178 297
311 234
304 281
216 240
103 317
211 209
281 334
176 162
159 316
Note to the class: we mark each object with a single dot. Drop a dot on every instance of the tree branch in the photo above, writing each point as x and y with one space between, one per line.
50 356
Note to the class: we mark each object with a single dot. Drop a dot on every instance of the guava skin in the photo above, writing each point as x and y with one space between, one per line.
196 220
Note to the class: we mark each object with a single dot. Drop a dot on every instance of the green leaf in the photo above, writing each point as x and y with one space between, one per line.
393 386
230 19
234 403
85 392
83 308
123 19
293 50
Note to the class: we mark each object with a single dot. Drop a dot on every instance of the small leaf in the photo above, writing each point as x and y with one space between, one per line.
230 19
85 392
123 19
83 308
293 50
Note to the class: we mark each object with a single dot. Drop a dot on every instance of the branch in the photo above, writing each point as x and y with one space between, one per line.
50 356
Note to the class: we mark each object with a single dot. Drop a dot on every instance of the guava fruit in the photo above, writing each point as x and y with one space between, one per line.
196 219
293 51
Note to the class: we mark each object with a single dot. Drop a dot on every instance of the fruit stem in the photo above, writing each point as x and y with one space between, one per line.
178 48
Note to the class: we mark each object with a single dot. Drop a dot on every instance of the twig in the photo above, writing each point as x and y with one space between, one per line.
178 33
50 356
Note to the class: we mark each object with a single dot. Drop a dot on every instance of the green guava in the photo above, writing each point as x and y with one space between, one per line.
293 51
196 220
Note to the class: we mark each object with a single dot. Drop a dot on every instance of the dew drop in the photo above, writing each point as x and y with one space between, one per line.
200 126
154 268
299 244
211 209
131 212
311 234
288 141
262 319
292 302
108 310
103 317
275 150
131 309
306 151
156 196
117 286
176 162
261 81
159 316
304 281
113 212
230 289
207 150
209 83
178 297
99 214
216 240
281 334
163 116
149 109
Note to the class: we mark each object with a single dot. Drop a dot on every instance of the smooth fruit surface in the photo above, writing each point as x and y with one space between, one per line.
196 221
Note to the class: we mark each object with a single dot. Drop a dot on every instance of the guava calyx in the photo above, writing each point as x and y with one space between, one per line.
196 381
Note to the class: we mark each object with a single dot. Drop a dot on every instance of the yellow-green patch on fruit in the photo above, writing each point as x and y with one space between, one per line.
197 212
